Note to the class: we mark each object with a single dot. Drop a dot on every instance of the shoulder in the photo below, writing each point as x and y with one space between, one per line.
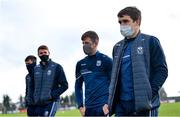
105 57
118 43
38 66
149 38
54 64
57 65
117 46
27 76
81 61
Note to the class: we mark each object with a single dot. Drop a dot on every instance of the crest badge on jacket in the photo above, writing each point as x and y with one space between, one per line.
140 50
98 63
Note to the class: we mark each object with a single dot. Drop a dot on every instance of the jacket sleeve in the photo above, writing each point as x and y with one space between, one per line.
158 70
26 91
108 66
60 83
30 92
113 52
78 87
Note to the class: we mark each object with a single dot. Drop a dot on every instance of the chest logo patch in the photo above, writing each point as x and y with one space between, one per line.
98 63
49 72
140 50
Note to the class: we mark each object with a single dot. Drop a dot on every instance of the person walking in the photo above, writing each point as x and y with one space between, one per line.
139 69
47 84
94 71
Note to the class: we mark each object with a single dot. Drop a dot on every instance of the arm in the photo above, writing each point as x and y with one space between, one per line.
159 71
30 92
78 89
61 84
113 52
108 67
26 90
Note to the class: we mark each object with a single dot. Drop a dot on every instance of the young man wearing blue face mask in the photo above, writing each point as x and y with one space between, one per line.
47 84
30 62
139 69
95 71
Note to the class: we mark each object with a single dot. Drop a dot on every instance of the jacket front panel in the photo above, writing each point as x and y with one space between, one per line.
141 83
44 80
114 92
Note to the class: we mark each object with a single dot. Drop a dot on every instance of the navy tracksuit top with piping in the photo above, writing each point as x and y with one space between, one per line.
95 72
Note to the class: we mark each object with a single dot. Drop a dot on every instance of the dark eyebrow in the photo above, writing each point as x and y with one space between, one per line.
42 52
85 42
124 21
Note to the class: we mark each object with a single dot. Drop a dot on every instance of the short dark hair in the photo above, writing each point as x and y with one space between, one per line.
92 35
43 47
30 57
133 12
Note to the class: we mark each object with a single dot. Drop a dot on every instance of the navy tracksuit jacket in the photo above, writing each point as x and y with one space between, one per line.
95 72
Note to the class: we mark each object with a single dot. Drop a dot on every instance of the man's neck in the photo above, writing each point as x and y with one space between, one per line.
93 53
44 63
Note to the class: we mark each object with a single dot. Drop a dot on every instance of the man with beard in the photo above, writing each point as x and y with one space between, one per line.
95 71
47 84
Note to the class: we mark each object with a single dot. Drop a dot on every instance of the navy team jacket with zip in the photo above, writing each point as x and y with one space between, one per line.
149 72
47 84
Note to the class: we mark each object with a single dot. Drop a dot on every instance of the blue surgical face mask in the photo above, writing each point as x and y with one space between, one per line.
126 30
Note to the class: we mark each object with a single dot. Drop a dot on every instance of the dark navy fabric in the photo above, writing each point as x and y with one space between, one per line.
95 72
97 111
126 108
149 71
126 77
30 107
47 110
27 79
30 110
47 84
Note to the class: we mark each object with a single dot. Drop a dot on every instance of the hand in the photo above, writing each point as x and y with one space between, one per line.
50 97
30 101
82 111
105 109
